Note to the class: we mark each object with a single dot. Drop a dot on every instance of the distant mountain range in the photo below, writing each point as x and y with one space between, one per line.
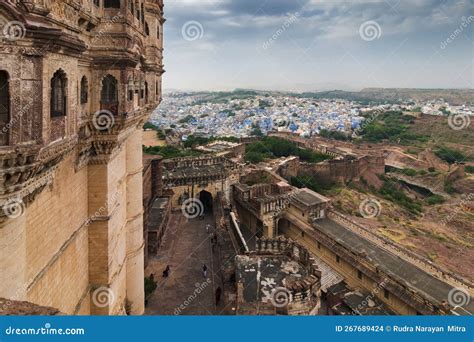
453 96
380 95
394 95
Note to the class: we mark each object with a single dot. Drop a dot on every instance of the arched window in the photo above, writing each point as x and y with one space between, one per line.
84 90
111 3
138 10
158 32
97 3
142 89
143 14
146 92
130 89
147 29
109 92
131 6
59 94
4 107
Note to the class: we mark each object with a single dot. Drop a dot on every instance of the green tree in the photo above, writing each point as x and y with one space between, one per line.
449 155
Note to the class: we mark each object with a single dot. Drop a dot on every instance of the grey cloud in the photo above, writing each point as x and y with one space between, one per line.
235 31
266 7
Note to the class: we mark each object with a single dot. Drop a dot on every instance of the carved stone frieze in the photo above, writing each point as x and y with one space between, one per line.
26 170
98 144
64 10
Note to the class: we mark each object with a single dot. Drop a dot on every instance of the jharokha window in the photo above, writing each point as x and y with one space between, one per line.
4 107
59 94
109 90
84 90
109 94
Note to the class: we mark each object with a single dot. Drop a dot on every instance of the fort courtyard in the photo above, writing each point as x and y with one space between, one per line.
186 247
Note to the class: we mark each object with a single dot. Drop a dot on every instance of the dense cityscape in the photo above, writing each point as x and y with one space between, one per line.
239 113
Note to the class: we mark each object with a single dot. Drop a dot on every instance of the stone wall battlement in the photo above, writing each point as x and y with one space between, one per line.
189 162
404 253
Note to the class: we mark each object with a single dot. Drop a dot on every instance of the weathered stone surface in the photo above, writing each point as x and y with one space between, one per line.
74 230
16 308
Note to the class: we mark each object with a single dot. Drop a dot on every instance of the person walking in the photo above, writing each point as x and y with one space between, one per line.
204 271
214 239
167 271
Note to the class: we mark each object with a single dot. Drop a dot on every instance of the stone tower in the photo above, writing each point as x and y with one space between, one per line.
78 78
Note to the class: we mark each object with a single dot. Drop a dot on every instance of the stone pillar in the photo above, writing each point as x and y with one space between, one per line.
134 225
99 229
269 227
107 233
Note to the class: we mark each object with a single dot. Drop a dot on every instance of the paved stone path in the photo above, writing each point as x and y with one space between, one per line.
186 247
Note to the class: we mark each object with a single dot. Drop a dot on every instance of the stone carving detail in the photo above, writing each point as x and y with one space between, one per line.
26 171
64 10
32 52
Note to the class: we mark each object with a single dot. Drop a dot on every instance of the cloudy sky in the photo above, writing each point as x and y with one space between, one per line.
303 45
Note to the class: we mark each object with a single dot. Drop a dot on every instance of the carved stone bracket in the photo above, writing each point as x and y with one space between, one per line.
97 145
25 171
